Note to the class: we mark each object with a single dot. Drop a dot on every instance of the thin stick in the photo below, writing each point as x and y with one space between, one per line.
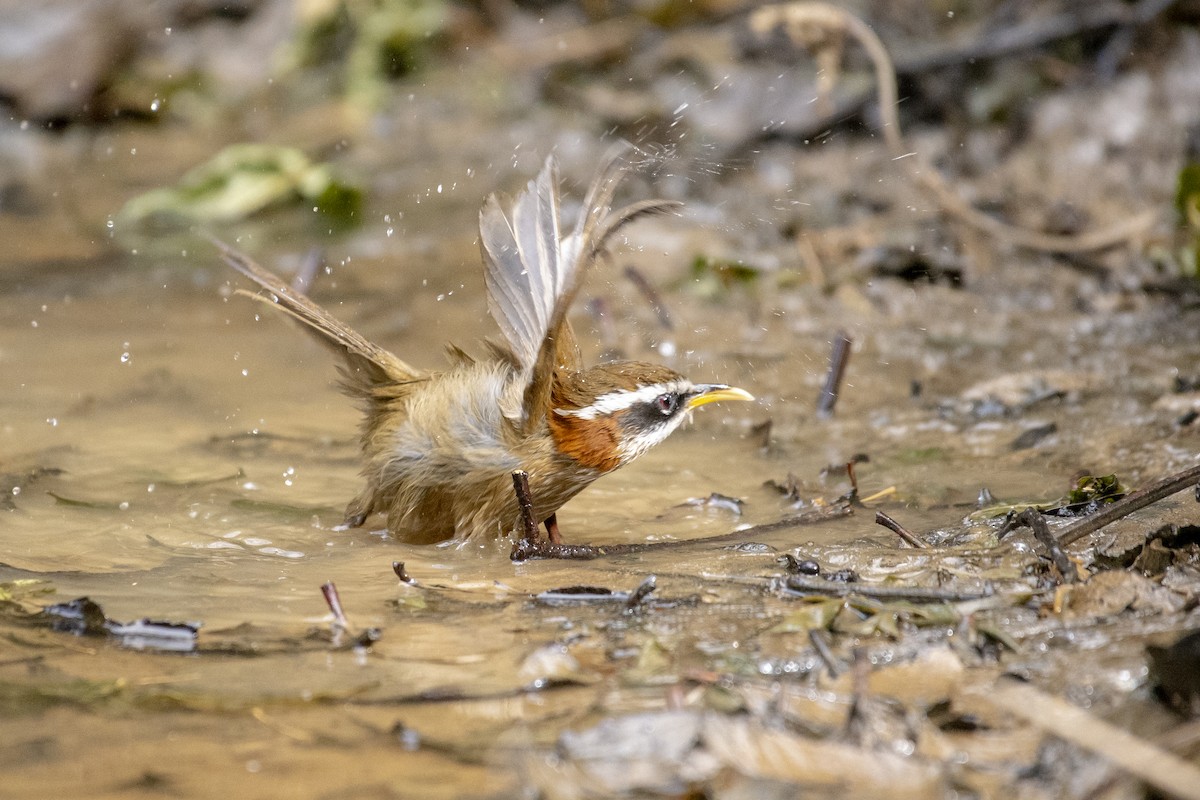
329 590
801 584
838 357
652 295
526 550
644 589
901 531
1130 503
1163 770
1033 518
529 526
402 573
820 644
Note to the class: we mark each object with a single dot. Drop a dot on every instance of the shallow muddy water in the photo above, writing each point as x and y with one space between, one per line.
173 452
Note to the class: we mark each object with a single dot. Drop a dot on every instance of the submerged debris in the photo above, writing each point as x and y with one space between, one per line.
716 500
597 595
1089 493
85 617
340 626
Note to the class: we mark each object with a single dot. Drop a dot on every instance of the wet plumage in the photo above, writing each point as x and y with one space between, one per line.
439 447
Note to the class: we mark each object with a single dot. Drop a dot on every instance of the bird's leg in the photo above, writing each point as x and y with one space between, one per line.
552 529
529 544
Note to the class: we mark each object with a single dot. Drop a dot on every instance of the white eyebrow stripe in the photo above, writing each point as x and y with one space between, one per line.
623 399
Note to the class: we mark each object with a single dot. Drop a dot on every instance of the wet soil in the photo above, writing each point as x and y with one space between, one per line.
173 453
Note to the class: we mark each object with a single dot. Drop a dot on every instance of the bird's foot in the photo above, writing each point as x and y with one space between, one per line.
529 545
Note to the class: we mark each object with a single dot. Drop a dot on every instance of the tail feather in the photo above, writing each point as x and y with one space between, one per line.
367 365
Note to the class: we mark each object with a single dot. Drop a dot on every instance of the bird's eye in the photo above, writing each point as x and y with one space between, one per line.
666 403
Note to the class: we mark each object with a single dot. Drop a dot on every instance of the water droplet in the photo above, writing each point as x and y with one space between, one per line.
125 358
53 421
123 505
245 373
154 104
390 231
16 490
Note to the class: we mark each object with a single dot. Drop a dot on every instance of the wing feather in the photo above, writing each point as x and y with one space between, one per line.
533 273
509 297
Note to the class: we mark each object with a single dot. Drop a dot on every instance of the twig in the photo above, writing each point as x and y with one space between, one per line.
644 590
455 694
799 19
838 357
536 549
1130 503
402 573
916 594
1164 771
821 645
860 673
1033 519
329 590
652 295
852 495
901 531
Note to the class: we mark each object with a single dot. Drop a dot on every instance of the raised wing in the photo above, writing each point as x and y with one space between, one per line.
533 273
524 266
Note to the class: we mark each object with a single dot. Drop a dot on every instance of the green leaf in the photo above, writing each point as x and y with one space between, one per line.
1187 195
1090 491
244 179
815 615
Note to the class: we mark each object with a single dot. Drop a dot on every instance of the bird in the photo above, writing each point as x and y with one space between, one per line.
440 447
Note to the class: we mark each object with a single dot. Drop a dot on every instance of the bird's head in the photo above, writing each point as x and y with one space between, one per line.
608 415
